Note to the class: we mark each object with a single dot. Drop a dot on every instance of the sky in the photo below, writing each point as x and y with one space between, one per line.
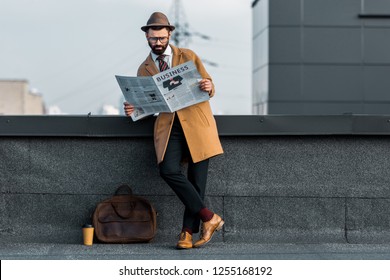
71 50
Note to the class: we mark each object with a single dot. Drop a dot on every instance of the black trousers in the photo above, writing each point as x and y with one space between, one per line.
190 189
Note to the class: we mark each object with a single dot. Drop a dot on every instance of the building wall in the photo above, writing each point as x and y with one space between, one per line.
324 57
16 99
260 58
11 95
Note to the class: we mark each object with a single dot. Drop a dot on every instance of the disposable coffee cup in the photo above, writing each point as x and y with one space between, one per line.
88 234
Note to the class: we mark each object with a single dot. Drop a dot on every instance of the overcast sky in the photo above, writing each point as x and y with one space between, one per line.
70 50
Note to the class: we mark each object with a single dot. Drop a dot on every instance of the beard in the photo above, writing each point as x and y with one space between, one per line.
159 49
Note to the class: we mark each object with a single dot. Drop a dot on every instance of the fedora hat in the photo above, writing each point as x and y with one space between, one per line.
157 19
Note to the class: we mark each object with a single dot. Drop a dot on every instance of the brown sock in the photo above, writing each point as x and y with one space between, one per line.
205 214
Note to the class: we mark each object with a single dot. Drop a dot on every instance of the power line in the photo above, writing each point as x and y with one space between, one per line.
82 60
97 80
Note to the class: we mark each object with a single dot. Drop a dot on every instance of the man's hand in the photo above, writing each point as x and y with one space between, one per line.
206 85
129 108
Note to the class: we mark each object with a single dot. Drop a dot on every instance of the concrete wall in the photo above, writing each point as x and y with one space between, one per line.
269 188
325 57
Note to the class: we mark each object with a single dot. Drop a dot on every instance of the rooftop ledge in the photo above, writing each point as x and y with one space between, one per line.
228 125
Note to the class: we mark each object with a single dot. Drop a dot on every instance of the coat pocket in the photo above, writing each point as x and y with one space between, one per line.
202 116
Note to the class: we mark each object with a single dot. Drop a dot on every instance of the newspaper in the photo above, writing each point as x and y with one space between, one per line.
168 91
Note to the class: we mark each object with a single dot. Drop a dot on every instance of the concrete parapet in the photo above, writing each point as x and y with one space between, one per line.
269 188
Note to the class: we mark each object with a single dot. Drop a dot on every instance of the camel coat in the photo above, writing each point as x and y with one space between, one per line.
197 121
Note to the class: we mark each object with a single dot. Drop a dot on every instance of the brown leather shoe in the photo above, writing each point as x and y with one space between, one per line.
185 241
208 229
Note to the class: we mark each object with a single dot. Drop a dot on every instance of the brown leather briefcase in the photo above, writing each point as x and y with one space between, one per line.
124 218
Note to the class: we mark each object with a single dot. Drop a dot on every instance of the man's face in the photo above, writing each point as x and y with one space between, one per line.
155 37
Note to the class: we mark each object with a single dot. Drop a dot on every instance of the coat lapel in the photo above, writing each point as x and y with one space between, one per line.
176 59
150 66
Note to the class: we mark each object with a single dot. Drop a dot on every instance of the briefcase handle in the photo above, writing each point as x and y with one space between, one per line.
124 190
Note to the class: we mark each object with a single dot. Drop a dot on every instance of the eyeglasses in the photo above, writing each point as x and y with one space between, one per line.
154 40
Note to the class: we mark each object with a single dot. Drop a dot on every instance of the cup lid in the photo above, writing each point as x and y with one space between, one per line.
87 226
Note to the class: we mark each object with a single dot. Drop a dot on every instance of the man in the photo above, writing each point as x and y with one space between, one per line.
188 133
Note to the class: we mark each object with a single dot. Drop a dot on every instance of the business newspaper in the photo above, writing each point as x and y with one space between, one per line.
168 91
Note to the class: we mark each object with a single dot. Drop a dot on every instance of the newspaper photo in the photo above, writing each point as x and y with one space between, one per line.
168 91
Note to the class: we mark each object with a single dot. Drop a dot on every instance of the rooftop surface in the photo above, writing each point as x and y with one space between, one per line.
213 251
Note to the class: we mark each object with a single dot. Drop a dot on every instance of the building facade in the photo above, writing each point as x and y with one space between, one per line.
321 57
16 98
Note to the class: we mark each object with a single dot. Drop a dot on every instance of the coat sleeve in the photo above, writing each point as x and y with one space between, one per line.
202 71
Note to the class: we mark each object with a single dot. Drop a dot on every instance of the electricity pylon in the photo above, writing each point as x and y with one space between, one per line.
182 35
